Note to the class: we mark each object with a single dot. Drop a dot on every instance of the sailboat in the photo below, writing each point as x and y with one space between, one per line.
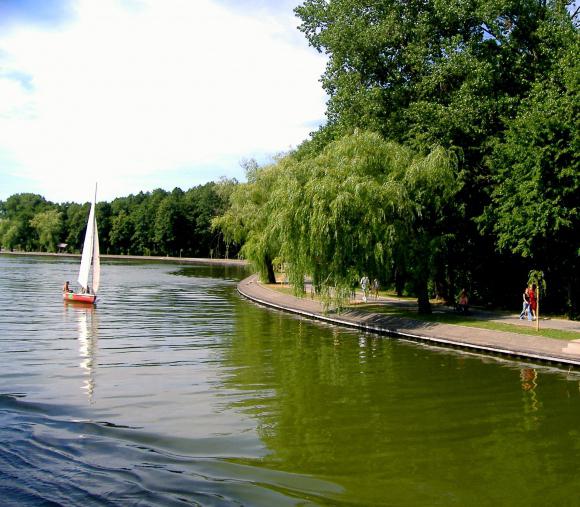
90 263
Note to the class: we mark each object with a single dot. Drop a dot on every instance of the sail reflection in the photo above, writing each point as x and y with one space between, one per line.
87 322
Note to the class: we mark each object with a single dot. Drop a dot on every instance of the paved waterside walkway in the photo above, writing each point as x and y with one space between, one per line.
537 348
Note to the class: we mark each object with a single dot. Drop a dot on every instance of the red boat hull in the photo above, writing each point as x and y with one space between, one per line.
80 298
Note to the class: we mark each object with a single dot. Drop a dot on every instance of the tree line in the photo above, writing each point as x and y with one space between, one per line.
449 158
173 223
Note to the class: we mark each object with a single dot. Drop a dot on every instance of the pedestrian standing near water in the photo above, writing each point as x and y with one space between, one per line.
525 303
364 285
463 302
375 288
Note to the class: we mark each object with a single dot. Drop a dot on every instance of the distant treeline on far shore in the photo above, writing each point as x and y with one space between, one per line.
176 223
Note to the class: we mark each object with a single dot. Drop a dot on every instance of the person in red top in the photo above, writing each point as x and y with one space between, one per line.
533 301
463 303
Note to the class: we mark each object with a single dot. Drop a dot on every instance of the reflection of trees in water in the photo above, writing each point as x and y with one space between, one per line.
323 396
220 271
377 415
309 384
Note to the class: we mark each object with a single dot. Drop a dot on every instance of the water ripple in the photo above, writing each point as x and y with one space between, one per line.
51 460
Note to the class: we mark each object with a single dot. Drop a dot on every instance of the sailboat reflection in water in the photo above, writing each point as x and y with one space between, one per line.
90 263
88 341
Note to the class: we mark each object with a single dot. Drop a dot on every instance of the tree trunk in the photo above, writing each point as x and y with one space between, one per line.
270 269
423 297
538 308
572 303
399 282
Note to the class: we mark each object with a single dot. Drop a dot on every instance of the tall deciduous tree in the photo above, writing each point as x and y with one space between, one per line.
75 223
202 203
48 225
444 72
535 209
8 234
121 232
17 212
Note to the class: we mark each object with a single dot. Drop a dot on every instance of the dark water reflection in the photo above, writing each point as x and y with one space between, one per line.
175 391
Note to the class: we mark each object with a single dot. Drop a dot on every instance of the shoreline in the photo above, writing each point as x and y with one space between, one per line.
503 343
184 260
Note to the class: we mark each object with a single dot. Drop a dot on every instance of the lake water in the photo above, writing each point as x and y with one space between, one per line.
174 390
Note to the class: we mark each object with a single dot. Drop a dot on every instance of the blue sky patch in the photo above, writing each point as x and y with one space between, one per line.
47 13
23 79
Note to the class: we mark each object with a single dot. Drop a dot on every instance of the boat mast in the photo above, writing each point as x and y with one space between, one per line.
93 246
89 248
96 262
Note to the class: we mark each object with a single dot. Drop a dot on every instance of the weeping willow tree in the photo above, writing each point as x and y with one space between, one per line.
351 210
347 211
246 220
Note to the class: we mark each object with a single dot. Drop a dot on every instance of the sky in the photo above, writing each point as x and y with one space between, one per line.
142 94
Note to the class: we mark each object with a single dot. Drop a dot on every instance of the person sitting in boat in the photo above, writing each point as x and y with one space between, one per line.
65 287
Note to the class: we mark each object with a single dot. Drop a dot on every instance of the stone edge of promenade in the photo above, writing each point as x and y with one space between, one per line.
514 345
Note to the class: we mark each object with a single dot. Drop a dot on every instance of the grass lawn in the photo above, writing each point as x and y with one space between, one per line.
448 318
466 320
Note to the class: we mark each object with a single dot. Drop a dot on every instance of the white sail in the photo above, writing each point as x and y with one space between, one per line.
96 260
90 247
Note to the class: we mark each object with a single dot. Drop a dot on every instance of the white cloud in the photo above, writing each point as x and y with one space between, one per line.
120 95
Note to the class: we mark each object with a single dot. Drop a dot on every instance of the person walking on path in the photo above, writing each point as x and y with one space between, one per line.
364 285
525 304
375 288
463 303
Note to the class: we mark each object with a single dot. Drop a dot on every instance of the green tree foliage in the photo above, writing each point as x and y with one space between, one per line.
8 234
121 232
246 220
201 204
535 209
17 213
479 77
75 223
104 216
48 225
143 214
352 209
347 211
442 72
168 221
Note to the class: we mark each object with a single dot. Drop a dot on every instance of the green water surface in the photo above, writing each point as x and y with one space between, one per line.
399 423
